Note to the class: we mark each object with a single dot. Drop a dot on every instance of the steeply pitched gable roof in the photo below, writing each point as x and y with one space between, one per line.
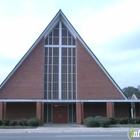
61 16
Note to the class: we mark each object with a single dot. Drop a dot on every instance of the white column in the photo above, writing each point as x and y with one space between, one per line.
132 115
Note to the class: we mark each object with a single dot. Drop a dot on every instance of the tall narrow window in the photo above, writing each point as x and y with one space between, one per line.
51 73
60 64
53 37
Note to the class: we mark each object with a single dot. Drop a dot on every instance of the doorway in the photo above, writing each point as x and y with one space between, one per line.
60 114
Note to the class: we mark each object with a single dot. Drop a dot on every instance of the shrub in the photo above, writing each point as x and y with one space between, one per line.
98 117
123 121
113 120
0 122
132 121
137 120
97 121
33 122
104 122
13 123
87 119
23 122
92 122
6 122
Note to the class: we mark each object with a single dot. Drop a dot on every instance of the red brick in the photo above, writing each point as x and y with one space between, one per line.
79 113
40 112
27 80
110 109
92 82
20 110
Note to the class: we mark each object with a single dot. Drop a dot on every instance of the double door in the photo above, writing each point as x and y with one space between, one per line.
60 114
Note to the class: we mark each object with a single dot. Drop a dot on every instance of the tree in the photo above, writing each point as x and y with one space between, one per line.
129 91
139 87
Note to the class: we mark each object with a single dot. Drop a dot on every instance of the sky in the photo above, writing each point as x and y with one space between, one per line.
111 29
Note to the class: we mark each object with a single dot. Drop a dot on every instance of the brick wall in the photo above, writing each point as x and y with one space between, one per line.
1 110
110 109
40 112
92 82
79 113
137 107
94 109
20 110
27 81
122 110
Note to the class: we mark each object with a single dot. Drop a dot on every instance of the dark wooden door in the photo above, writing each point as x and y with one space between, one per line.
60 114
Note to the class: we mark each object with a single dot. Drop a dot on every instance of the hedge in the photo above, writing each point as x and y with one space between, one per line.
105 122
97 121
21 122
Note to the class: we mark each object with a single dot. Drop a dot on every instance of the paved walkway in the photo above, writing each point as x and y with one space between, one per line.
67 128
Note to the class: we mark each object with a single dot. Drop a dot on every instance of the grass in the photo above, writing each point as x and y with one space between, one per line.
17 127
124 125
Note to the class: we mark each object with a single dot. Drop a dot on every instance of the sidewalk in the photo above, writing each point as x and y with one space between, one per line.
65 129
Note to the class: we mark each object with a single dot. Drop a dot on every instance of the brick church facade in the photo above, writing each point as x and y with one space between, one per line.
60 80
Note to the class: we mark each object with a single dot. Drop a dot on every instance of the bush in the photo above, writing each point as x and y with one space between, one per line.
113 121
104 122
0 122
13 123
6 122
92 123
87 119
137 120
98 117
123 121
97 121
132 120
33 122
23 122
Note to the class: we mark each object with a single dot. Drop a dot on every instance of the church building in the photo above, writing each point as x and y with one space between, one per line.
60 80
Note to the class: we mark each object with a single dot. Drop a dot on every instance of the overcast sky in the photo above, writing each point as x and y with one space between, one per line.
111 28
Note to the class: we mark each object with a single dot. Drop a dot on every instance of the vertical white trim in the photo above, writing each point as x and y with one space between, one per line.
71 73
132 113
52 78
67 76
51 108
60 60
47 72
76 73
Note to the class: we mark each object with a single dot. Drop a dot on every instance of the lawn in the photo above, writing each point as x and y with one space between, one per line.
17 127
125 125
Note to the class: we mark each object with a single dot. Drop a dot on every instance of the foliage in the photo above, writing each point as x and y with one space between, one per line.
129 91
113 121
104 122
137 120
33 122
97 121
23 122
132 121
87 119
13 123
98 117
6 122
91 122
0 122
123 120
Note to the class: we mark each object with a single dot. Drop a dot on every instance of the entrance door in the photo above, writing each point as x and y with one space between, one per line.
60 114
